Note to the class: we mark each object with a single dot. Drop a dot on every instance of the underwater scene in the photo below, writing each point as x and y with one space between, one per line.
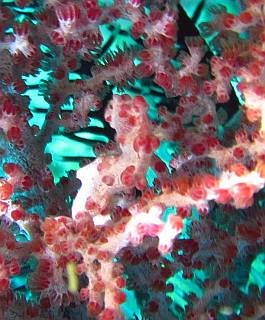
132 159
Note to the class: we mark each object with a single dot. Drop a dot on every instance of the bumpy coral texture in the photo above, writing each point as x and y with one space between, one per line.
80 247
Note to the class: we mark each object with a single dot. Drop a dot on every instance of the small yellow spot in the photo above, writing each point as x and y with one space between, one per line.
226 310
73 282
262 126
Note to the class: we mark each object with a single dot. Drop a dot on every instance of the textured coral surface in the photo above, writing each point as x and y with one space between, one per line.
132 159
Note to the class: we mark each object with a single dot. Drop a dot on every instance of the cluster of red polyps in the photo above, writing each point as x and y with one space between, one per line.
87 244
